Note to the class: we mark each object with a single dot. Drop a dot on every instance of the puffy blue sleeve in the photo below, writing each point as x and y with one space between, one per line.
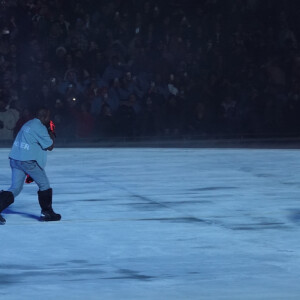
43 137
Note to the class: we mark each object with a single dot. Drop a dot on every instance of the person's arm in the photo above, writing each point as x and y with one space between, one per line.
45 137
52 136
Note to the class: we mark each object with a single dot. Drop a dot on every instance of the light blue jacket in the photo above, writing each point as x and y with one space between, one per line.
31 143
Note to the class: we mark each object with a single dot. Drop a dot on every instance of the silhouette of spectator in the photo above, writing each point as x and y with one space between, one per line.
8 120
106 124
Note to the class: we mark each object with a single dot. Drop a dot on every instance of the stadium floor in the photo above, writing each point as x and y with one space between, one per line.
157 223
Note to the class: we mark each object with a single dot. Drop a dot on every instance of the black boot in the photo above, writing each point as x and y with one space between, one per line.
45 200
2 220
6 199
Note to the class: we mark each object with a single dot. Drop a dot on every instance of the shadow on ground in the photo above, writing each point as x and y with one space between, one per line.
9 211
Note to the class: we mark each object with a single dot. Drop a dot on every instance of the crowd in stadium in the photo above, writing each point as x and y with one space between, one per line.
112 68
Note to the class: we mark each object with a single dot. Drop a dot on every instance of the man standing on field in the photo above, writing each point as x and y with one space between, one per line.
28 157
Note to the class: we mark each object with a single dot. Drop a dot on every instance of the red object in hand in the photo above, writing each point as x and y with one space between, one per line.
28 179
52 126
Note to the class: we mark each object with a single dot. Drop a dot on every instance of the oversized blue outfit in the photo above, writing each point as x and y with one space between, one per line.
29 156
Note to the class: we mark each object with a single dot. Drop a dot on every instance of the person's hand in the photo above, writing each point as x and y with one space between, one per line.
51 129
28 179
52 135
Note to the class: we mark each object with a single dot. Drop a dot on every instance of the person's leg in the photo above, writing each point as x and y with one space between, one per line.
45 192
38 174
8 197
45 201
18 177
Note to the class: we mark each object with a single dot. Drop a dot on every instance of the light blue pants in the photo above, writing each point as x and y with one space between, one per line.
19 171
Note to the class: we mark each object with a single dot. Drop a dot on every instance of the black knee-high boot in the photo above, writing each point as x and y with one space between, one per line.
6 199
45 200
